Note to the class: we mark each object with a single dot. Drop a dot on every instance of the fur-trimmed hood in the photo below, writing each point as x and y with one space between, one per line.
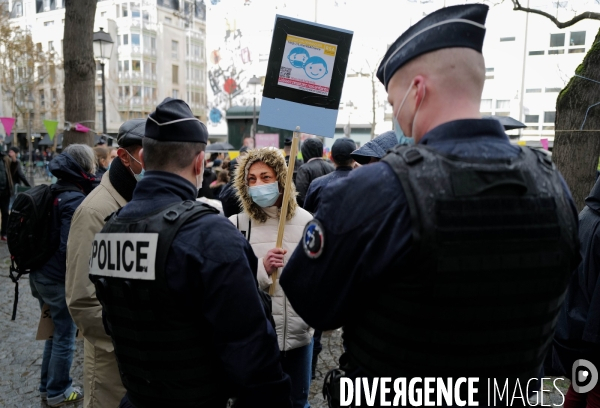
274 159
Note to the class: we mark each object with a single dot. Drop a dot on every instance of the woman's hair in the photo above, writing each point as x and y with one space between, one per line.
83 155
102 153
223 177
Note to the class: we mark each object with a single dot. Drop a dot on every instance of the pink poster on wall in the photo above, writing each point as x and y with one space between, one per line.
267 140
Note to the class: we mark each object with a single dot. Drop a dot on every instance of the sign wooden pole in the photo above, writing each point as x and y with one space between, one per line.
286 199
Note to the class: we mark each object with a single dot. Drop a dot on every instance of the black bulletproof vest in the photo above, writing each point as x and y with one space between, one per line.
493 245
163 350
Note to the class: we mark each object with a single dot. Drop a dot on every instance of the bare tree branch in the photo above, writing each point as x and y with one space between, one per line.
586 15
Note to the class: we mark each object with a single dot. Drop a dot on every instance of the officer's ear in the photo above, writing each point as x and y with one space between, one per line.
198 164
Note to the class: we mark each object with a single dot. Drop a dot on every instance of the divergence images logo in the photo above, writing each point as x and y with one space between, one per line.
584 376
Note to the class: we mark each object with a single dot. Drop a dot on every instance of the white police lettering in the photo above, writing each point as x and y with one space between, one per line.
124 255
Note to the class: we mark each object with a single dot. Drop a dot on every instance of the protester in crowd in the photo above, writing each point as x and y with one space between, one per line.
217 166
449 258
16 169
6 192
101 381
102 159
314 166
113 153
374 150
74 167
578 329
287 148
228 194
196 334
217 185
248 142
208 177
260 181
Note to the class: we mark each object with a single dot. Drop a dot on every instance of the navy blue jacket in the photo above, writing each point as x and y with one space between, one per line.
69 173
212 268
313 196
367 227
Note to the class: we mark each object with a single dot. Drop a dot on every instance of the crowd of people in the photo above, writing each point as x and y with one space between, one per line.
440 248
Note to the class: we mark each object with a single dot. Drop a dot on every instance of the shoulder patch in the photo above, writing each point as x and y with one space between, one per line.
313 239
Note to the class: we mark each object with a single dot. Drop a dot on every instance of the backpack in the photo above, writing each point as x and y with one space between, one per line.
29 231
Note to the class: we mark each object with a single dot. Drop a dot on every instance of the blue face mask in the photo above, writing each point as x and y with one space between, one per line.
402 138
265 195
139 176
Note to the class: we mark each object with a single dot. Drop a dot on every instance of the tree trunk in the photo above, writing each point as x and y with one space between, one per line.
80 69
577 139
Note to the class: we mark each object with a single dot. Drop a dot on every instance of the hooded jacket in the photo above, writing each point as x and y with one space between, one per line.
260 226
578 329
69 173
314 166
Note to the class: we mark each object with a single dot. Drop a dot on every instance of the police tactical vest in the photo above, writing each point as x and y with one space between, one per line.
493 245
163 350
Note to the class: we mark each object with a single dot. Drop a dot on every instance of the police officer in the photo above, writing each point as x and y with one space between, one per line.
448 258
177 285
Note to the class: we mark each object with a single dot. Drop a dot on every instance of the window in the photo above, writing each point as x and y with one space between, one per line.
100 116
555 52
577 38
52 73
168 20
553 89
125 39
174 49
489 70
41 73
126 65
135 10
547 127
576 50
103 14
120 65
135 65
153 43
536 52
53 95
532 118
175 94
196 74
99 94
120 92
549 117
486 105
48 23
135 39
533 90
147 92
557 40
503 104
153 65
42 98
50 45
126 91
505 39
124 9
145 16
137 91
175 74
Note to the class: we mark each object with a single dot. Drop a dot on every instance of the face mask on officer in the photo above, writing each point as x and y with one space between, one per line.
139 176
398 130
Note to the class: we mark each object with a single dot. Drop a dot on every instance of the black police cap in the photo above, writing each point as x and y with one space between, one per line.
450 27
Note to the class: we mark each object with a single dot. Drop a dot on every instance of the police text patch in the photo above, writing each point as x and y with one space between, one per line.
313 239
124 255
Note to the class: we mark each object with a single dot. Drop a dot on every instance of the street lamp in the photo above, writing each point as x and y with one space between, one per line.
103 45
30 105
254 81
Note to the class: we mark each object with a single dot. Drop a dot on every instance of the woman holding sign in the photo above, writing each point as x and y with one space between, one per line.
260 181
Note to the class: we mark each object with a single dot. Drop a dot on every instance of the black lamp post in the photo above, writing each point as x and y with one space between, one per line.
254 81
103 45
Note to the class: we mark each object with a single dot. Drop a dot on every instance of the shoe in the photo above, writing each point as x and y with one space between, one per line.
44 396
75 394
3 238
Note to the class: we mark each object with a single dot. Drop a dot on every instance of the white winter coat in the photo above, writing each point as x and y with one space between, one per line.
292 331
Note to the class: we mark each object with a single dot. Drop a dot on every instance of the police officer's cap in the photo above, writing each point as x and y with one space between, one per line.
377 147
173 121
450 27
131 133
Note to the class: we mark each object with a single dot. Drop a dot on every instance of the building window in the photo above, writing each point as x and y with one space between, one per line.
145 16
51 23
125 39
547 127
533 90
549 117
503 104
135 39
100 115
532 118
53 95
168 20
537 52
126 91
137 91
153 43
175 74
147 92
577 38
486 105
135 10
555 52
175 94
135 65
557 40
99 94
174 49
126 65
50 45
40 73
120 66
103 14
124 9
505 39
42 98
489 70
576 50
553 89
52 73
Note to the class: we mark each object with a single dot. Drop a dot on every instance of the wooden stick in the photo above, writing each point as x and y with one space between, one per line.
286 199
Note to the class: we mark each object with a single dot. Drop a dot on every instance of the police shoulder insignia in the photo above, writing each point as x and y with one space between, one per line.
313 239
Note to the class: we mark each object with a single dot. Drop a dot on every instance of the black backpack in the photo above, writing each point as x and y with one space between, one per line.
29 231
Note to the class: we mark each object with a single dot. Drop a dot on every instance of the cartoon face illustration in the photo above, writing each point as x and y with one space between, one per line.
298 57
315 68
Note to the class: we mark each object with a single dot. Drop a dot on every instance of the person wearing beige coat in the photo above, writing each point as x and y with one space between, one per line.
102 381
260 181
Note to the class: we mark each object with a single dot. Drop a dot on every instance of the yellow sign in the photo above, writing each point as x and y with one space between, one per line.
328 49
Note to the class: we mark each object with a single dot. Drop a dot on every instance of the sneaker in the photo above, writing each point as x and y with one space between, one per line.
71 396
44 396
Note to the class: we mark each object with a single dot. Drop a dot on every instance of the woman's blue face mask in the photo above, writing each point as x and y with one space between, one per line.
265 195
